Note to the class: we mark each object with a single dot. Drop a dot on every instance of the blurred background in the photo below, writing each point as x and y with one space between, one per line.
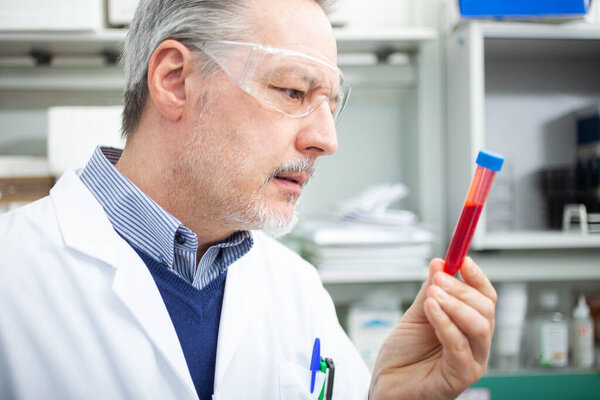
433 82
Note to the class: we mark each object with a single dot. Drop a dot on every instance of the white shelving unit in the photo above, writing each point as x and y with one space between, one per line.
402 39
576 265
524 30
90 43
563 266
406 39
66 78
523 240
337 278
513 88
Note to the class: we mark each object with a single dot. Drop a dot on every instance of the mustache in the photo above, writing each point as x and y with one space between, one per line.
304 165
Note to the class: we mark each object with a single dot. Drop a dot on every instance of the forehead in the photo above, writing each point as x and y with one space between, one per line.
299 25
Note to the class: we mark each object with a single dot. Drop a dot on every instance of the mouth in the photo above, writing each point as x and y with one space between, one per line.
298 179
291 183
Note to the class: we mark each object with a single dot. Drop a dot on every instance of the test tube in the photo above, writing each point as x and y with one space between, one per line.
488 163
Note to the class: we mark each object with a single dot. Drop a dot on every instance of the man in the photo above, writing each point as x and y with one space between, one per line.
139 277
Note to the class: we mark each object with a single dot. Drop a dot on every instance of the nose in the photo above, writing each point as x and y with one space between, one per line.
317 136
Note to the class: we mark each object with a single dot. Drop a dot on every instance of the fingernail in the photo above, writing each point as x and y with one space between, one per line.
439 294
446 281
471 269
436 307
469 263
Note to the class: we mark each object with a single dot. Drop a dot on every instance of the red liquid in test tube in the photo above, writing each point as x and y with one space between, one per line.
488 163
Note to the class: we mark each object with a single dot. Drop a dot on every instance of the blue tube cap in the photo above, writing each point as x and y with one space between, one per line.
490 160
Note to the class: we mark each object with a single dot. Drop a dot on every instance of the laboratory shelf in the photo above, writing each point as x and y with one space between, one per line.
569 265
525 30
514 87
514 266
540 266
547 385
79 61
406 39
62 78
19 44
111 77
347 277
518 240
110 41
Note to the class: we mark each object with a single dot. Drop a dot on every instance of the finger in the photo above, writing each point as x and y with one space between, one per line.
435 265
416 312
467 294
476 278
457 350
476 327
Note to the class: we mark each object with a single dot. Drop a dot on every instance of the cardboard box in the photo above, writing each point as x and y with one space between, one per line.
25 189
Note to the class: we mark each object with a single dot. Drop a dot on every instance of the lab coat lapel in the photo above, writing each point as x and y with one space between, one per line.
132 282
243 299
135 286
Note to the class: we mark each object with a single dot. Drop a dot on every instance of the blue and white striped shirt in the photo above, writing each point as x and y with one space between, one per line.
150 228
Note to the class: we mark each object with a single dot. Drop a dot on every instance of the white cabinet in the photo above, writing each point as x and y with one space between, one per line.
514 88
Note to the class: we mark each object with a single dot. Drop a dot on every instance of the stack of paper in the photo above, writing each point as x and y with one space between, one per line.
367 237
357 247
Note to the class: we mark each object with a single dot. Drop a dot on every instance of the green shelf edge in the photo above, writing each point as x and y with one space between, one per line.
547 386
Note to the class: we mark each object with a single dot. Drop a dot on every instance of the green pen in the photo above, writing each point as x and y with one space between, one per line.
323 366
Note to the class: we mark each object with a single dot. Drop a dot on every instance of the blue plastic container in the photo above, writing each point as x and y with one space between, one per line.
522 8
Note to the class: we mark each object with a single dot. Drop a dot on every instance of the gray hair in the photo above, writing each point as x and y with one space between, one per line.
186 21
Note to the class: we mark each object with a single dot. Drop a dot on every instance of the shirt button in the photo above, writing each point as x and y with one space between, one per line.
179 238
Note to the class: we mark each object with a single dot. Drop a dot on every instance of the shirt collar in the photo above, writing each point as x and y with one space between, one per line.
139 219
134 215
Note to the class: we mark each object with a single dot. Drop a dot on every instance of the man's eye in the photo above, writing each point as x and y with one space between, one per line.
292 93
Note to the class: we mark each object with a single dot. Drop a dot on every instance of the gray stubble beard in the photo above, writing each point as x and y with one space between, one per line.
238 211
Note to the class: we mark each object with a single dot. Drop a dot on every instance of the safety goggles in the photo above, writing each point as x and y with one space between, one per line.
290 82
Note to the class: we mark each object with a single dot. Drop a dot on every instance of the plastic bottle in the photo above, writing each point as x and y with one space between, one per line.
510 322
552 333
582 335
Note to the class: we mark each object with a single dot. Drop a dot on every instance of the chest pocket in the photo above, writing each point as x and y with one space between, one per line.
294 382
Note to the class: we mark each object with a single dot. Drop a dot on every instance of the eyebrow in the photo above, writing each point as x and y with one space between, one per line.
305 75
308 77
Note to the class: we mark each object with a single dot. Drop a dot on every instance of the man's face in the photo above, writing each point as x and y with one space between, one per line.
246 162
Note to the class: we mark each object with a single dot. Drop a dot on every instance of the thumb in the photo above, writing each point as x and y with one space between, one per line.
416 313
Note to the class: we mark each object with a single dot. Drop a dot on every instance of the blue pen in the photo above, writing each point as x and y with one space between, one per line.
315 363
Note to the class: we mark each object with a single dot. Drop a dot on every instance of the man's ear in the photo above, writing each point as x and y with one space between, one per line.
168 69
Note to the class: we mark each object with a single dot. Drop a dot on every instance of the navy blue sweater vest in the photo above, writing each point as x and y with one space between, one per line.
195 315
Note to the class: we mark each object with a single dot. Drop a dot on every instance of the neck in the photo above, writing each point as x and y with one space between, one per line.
155 173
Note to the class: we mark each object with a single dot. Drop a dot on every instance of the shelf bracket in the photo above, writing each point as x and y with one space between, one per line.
41 57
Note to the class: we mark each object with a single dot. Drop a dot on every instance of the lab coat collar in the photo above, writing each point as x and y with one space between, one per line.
86 228
243 299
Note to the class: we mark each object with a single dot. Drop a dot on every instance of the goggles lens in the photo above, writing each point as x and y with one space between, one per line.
290 82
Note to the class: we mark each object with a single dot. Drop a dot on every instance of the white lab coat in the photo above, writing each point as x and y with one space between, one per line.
81 316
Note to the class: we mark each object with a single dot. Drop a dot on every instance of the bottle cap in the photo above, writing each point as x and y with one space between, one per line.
490 160
548 299
582 310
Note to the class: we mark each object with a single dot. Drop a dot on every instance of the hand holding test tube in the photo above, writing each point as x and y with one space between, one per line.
461 312
488 163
